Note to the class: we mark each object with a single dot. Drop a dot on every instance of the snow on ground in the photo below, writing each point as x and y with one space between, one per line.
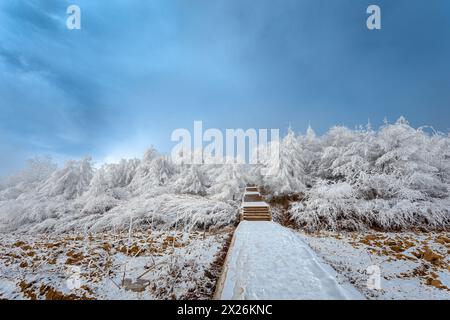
412 265
139 265
254 204
268 261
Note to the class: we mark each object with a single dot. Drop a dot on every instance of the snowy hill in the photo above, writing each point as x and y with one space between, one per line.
396 177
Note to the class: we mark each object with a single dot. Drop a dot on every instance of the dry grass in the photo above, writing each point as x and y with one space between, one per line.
156 265
430 250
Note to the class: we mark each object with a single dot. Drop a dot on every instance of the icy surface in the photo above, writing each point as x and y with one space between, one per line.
268 261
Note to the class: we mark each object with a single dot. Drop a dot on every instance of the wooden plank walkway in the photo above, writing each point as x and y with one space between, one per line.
253 207
266 261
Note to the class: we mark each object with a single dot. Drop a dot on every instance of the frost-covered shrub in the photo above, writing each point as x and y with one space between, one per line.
167 211
153 171
71 181
428 185
396 177
191 180
23 214
36 171
229 183
399 176
98 205
327 206
377 186
112 176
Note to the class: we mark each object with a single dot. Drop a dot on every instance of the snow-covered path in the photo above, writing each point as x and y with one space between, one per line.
268 261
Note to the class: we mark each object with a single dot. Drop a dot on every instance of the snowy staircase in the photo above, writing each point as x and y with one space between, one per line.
253 206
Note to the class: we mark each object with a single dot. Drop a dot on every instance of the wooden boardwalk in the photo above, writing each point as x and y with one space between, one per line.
268 261
253 207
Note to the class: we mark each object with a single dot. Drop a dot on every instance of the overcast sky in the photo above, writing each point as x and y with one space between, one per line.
137 70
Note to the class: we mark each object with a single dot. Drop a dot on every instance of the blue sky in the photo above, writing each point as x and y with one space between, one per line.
137 70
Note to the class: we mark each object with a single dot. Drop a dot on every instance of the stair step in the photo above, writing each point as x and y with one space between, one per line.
265 218
252 198
255 215
256 212
254 208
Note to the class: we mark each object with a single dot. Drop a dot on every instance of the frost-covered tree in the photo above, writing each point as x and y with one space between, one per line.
310 149
113 175
407 155
37 170
286 174
341 156
161 171
395 177
153 171
71 181
191 180
229 183
440 156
